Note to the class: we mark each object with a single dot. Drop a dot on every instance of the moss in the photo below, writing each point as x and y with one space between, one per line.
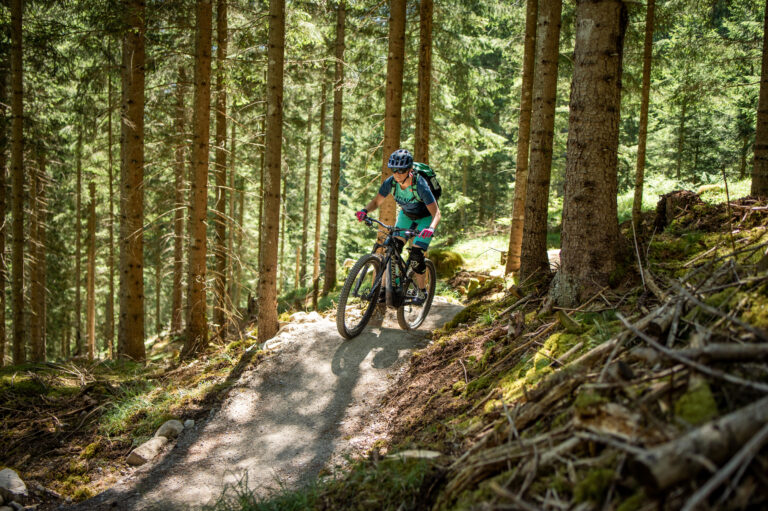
467 315
90 450
634 502
757 315
459 387
697 405
82 493
488 285
594 486
77 467
446 261
721 300
587 399
479 384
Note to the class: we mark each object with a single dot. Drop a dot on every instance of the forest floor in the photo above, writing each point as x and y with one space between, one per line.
650 395
285 413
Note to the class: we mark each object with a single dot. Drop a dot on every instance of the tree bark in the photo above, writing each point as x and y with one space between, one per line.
158 292
302 277
533 254
3 200
333 210
36 348
177 310
220 224
240 223
267 318
319 200
17 184
261 187
590 233
109 320
79 240
421 135
523 139
642 136
681 140
90 311
235 226
394 98
760 168
131 323
283 219
197 324
678 460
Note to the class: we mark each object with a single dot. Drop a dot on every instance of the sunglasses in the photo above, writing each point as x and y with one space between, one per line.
400 171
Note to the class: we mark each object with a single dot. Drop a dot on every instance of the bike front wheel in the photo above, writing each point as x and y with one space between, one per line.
411 313
358 297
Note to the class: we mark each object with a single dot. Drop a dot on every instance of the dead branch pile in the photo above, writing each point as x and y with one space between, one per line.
670 413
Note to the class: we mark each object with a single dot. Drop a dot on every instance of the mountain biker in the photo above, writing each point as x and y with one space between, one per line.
418 210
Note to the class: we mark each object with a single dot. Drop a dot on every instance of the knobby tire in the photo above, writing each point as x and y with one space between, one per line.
402 320
345 315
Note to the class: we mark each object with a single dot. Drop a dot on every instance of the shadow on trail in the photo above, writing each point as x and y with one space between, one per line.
281 423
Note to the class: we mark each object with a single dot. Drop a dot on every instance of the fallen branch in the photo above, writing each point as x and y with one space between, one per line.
743 457
681 459
762 387
727 352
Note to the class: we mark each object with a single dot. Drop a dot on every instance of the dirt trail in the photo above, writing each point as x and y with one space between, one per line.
282 421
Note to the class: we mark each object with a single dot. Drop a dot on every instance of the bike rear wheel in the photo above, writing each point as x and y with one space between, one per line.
358 297
409 315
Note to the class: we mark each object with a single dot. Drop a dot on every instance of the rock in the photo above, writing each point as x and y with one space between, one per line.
415 454
304 317
146 451
6 508
11 486
189 423
16 506
170 429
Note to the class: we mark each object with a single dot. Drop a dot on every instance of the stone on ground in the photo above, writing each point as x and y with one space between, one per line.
11 485
170 429
146 451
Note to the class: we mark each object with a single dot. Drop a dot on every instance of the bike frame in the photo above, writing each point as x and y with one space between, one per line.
394 296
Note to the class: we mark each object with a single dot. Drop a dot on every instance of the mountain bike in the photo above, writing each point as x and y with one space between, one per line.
363 286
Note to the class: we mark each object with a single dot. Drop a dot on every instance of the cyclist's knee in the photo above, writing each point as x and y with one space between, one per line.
416 260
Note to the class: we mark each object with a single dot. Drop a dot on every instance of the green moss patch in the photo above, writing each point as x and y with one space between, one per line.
697 405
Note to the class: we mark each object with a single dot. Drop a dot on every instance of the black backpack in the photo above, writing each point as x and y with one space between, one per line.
425 171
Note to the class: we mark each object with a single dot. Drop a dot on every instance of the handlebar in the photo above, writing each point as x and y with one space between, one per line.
406 233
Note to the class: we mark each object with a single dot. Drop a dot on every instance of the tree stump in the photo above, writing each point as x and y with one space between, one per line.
672 204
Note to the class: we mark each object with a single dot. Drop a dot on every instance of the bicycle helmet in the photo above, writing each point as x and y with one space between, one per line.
400 159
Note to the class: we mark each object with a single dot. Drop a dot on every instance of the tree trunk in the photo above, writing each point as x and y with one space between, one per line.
261 189
131 324
760 169
267 318
177 311
79 240
533 253
642 136
523 139
36 348
90 321
17 185
297 276
197 324
421 136
319 201
240 223
234 227
3 201
42 253
109 320
283 219
394 98
464 189
681 140
590 223
220 224
333 210
158 292
743 163
302 277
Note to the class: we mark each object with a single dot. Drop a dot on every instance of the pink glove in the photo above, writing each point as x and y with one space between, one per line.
361 214
426 233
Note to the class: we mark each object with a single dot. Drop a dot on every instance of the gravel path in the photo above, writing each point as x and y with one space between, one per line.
282 421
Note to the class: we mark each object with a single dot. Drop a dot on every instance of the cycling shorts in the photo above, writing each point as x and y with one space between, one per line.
403 222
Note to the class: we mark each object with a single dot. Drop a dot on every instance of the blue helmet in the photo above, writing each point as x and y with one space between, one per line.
400 159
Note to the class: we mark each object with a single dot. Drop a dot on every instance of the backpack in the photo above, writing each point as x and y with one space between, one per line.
425 171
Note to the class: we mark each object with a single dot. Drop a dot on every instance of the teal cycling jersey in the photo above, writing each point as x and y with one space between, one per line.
413 199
